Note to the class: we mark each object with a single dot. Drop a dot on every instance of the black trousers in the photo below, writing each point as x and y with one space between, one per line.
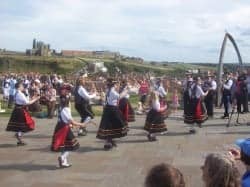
227 101
84 110
209 103
242 100
245 102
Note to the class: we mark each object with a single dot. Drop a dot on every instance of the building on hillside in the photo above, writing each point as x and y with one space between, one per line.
39 48
106 54
73 53
7 52
97 54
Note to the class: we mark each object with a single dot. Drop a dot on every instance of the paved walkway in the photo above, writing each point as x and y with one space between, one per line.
34 165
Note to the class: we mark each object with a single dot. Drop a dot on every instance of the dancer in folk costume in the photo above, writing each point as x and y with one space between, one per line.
63 138
186 99
124 104
196 112
143 92
155 117
209 99
20 120
112 123
227 94
162 93
82 104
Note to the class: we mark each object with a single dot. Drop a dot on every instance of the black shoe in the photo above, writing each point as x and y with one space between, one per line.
210 117
108 146
113 143
199 125
225 117
192 131
151 138
21 144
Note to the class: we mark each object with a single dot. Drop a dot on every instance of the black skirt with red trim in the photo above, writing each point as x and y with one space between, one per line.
20 120
163 103
126 110
155 122
196 112
64 139
112 124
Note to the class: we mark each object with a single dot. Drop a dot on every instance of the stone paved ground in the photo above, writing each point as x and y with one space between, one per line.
34 165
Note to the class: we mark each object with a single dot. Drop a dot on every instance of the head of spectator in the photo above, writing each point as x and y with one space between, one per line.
220 171
164 175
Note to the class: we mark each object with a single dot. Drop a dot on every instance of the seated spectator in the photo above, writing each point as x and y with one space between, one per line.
244 156
51 101
220 171
164 175
34 90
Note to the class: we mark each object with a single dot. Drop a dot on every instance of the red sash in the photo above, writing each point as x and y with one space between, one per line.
28 120
198 110
60 137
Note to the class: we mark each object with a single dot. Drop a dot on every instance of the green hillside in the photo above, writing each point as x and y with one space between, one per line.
63 65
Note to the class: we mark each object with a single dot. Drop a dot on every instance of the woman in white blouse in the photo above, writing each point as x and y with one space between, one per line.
20 120
112 123
155 117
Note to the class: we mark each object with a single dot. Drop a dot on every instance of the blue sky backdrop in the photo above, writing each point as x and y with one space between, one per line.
163 30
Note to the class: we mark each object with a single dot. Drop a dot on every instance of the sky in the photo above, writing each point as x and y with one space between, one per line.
160 30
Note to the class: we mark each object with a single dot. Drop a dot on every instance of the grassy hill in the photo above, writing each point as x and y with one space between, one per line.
63 65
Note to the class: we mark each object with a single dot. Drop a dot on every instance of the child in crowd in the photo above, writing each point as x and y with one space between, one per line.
220 171
164 175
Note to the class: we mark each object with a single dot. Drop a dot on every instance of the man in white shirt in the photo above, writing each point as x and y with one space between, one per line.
82 105
226 95
210 85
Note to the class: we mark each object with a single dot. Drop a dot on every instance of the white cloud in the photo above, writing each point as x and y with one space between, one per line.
181 30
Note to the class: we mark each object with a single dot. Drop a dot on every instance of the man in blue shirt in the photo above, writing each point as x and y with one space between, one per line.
244 156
